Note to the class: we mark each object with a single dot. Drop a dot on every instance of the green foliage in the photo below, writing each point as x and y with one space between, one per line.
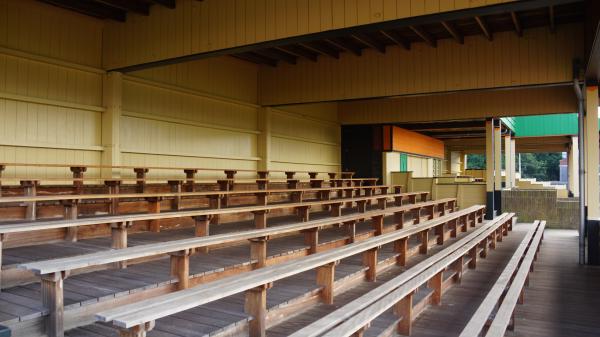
541 166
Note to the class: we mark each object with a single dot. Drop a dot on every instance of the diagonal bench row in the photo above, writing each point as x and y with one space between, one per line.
137 318
354 317
496 312
53 272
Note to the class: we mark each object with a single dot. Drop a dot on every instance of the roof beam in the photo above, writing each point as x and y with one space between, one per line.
517 24
166 3
299 52
129 5
370 42
344 46
321 50
484 28
94 9
255 58
396 38
450 28
424 36
552 21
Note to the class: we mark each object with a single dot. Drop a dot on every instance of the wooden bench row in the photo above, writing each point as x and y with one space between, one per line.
55 271
495 314
137 318
353 318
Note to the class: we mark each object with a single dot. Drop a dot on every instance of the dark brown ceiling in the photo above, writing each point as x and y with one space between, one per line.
110 9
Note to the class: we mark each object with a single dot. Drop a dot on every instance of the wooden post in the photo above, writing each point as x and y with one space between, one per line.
370 261
336 209
417 215
436 284
377 224
30 190
230 174
214 202
424 247
154 207
289 175
175 186
119 239
303 213
473 255
484 252
70 211
225 186
190 176
404 309
202 228
263 174
382 203
113 188
424 197
262 184
2 167
351 230
348 195
256 306
78 178
180 267
260 219
258 252
439 232
311 239
326 279
412 199
398 200
261 198
399 219
453 224
401 248
140 175
53 300
361 205
458 268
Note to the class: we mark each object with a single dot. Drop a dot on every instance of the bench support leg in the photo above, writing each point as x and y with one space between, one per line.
404 309
424 247
154 207
370 261
214 202
325 279
351 231
458 269
71 214
304 213
377 224
361 205
180 268
336 209
119 240
311 239
473 255
399 219
436 284
137 331
53 300
260 219
401 248
256 306
258 252
202 228
439 232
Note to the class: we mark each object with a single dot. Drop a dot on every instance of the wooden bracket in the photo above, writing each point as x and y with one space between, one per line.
176 186
78 178
190 176
140 175
290 174
262 174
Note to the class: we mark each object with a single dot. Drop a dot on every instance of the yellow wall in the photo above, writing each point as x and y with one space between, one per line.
537 57
466 105
50 87
201 26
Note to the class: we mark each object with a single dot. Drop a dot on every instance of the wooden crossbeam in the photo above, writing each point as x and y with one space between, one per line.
396 38
138 7
299 52
320 50
484 28
450 28
517 24
369 42
344 46
424 36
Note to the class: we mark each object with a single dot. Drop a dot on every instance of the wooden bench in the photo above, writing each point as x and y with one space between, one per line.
496 311
137 318
354 317
55 271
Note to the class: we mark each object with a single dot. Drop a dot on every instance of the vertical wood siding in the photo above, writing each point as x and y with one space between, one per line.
536 58
201 26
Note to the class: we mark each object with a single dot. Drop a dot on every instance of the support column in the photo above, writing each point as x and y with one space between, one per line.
508 161
489 168
497 165
264 139
513 163
111 117
592 154
573 167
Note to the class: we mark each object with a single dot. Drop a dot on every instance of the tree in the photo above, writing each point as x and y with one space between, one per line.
541 166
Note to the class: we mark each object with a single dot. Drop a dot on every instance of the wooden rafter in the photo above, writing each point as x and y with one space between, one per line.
430 40
344 46
484 28
299 52
129 5
551 18
278 55
256 58
517 24
320 50
90 8
370 42
166 3
395 38
450 28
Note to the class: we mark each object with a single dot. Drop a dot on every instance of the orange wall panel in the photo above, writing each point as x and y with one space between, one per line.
416 143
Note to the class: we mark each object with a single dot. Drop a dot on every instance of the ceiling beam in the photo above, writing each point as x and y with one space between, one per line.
94 9
424 36
370 42
321 50
450 28
396 38
552 19
255 58
277 55
484 28
517 24
344 46
299 52
166 3
138 7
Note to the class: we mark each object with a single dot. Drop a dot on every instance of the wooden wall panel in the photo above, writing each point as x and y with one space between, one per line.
50 88
467 105
201 26
542 58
